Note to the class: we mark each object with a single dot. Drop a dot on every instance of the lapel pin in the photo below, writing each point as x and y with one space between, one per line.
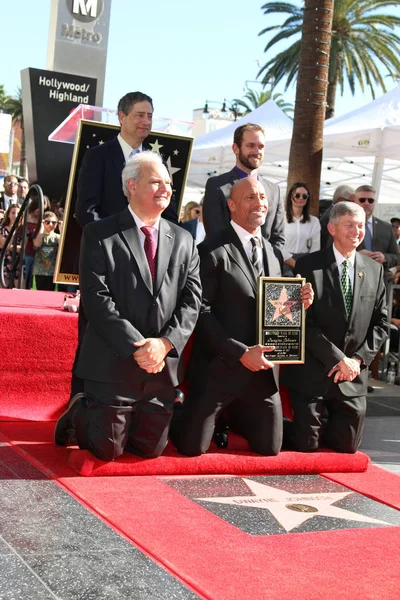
360 274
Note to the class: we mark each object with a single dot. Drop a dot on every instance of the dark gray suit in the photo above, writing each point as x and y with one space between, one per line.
330 336
383 240
226 327
123 306
216 214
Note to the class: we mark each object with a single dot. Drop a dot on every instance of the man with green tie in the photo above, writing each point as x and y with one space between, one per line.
345 327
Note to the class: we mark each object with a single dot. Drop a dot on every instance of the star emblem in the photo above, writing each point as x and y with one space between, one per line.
171 169
282 306
156 146
291 510
176 152
101 142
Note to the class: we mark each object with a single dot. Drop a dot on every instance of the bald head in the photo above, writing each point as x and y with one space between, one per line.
248 204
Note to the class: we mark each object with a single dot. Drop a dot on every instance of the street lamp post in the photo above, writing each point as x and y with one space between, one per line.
228 107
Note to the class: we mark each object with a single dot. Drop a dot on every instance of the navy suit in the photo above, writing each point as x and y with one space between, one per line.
100 185
383 240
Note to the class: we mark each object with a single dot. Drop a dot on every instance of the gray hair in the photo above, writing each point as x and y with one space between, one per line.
343 192
345 208
366 188
133 167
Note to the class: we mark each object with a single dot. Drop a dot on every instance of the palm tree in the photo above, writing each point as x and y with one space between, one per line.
3 98
306 147
14 107
363 41
253 100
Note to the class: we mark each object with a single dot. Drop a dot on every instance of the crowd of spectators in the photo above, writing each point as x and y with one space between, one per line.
40 252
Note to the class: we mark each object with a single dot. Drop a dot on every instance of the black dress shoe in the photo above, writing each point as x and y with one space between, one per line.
65 430
179 396
370 389
220 437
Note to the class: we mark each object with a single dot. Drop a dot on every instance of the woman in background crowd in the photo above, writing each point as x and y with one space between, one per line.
303 230
5 228
191 211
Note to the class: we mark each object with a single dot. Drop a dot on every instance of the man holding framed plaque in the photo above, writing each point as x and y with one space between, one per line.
345 327
229 369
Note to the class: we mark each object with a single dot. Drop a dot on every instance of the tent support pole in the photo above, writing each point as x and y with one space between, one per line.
377 174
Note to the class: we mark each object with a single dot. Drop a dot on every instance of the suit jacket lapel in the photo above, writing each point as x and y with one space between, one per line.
130 233
117 155
359 277
234 248
166 238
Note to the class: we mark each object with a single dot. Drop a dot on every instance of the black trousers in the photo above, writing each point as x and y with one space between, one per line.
333 420
118 418
45 282
252 413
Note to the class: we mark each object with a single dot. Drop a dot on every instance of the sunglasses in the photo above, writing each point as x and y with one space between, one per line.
369 200
51 222
304 196
196 211
396 226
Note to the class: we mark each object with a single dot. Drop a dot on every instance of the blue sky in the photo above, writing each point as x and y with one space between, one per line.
179 52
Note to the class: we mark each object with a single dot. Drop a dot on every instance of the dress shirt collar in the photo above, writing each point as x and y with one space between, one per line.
340 258
126 148
242 174
139 222
244 236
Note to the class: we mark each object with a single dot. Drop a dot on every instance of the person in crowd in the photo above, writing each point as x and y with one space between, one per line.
5 228
343 192
195 224
32 221
345 327
46 246
395 323
228 368
23 189
248 147
10 194
140 285
191 211
302 231
99 181
379 242
395 223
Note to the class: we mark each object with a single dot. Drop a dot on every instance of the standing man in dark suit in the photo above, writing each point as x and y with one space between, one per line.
379 242
248 147
345 327
99 183
10 195
140 285
228 368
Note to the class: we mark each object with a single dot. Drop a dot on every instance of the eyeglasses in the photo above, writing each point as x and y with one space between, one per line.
369 200
304 196
11 183
395 226
51 222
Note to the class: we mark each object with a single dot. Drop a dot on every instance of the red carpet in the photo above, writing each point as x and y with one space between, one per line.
36 439
39 341
220 561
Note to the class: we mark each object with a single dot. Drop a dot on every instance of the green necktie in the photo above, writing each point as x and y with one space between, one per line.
346 286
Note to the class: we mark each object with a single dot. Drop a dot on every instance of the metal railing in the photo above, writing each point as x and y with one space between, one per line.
17 258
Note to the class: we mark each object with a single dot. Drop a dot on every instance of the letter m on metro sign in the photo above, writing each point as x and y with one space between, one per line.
86 10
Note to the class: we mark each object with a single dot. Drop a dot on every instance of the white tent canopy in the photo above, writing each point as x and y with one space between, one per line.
355 148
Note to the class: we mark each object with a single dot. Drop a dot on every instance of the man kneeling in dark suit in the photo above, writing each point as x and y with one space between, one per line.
141 291
345 327
228 369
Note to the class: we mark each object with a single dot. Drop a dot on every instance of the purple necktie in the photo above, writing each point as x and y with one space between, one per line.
150 249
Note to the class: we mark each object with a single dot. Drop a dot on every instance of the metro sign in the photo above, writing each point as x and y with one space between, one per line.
85 10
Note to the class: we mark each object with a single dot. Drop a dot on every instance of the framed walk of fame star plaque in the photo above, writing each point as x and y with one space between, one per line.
281 318
176 151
